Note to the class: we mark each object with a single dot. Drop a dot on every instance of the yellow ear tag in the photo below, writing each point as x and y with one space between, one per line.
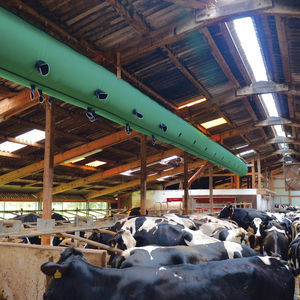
112 244
57 274
39 237
60 238
298 276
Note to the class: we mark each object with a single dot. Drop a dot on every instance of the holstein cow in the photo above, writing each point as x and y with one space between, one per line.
244 217
251 278
155 256
138 226
162 234
275 241
237 235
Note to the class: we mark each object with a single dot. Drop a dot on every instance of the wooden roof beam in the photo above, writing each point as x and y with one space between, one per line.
21 141
222 10
262 87
271 121
136 182
114 171
104 142
196 4
12 106
5 92
34 125
131 16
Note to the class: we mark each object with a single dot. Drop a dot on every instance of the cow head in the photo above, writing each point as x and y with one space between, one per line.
123 240
256 227
226 212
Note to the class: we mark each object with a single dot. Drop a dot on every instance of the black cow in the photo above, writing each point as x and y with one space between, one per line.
154 256
251 278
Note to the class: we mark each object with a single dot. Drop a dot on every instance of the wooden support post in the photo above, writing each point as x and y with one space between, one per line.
48 167
185 183
211 196
143 174
119 74
237 181
253 173
232 182
259 172
290 198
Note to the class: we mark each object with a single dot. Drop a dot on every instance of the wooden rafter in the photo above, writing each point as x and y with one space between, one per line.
12 106
104 142
131 16
5 92
186 72
61 133
20 141
114 171
136 182
197 4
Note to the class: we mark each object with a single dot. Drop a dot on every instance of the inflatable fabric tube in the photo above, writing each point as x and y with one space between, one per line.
74 78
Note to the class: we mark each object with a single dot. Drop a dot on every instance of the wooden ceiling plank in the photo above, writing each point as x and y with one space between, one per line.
104 142
186 72
219 57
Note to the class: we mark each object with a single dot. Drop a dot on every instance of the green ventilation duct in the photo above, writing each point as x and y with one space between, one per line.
30 57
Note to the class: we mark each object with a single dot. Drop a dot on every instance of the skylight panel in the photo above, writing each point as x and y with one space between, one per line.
246 152
247 36
270 106
34 136
279 131
10 146
96 163
166 160
214 123
192 103
244 28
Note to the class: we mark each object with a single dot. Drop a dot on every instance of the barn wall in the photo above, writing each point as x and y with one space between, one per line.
157 199
20 275
282 196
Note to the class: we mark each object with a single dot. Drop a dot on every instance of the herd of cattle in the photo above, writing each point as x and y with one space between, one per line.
242 254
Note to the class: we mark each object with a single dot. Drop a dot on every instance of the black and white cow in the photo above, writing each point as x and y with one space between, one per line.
237 235
162 234
251 278
275 241
138 227
244 217
155 256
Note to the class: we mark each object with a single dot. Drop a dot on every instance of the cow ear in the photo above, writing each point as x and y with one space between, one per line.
50 268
